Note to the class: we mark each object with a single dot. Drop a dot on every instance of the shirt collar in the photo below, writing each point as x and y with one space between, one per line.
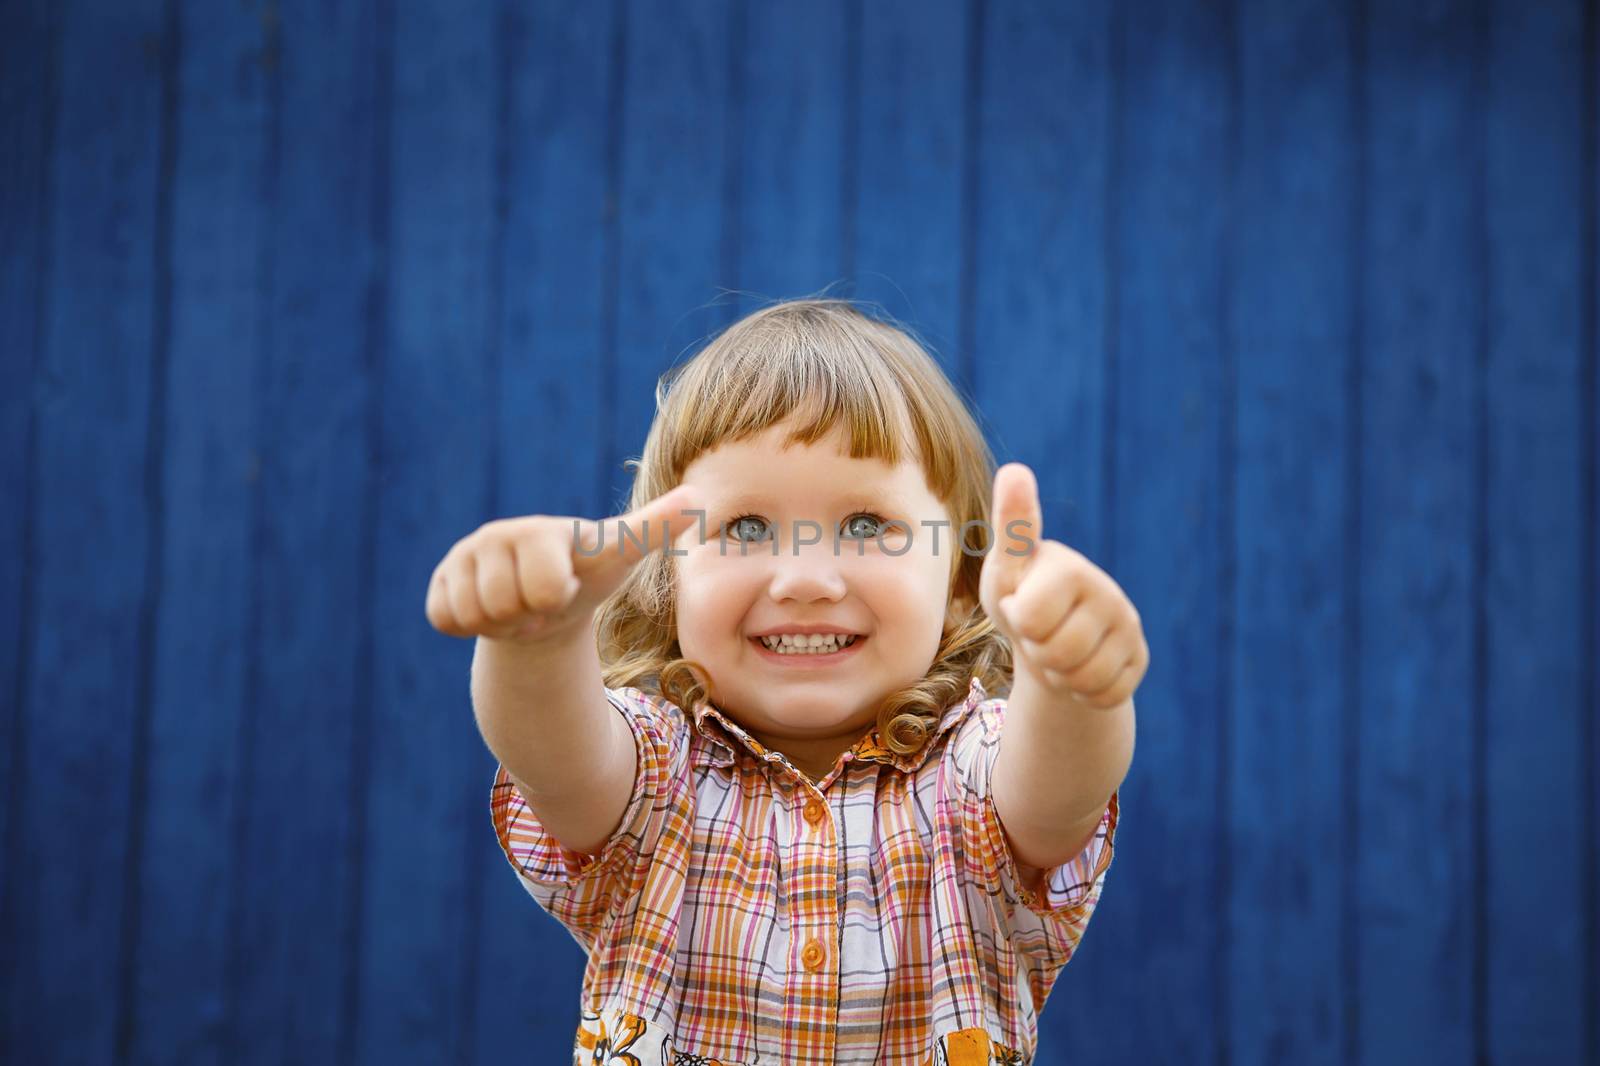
723 737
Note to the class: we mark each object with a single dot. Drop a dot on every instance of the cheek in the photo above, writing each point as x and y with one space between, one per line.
911 591
709 603
691 609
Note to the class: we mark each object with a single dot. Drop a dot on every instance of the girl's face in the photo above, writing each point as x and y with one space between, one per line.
835 569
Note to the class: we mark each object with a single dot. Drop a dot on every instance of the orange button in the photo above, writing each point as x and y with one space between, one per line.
811 956
814 812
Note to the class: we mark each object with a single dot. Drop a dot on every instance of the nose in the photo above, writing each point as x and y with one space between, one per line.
805 572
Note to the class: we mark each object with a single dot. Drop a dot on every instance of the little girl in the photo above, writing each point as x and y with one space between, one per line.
752 752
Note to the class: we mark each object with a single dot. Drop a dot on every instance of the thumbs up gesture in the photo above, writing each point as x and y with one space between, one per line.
537 577
1071 627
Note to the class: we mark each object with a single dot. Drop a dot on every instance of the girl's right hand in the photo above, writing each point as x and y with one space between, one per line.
525 580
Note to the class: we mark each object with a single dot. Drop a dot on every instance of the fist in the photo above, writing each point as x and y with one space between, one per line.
1071 627
533 578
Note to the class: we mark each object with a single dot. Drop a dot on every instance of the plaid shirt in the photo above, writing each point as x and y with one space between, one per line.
742 912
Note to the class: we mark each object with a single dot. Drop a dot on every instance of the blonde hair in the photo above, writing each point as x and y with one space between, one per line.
826 363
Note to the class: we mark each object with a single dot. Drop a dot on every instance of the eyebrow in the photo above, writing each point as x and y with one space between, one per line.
855 500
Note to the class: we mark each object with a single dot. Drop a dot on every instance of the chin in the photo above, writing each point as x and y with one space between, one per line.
811 718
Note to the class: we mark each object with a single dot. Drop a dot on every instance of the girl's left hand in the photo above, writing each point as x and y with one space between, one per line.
1071 627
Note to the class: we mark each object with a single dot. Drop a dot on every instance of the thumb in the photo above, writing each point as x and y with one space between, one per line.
1018 528
614 545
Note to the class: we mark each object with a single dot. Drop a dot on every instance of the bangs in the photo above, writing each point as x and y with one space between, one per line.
825 369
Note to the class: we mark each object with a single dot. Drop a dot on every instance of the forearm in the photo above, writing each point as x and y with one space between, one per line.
1058 764
543 713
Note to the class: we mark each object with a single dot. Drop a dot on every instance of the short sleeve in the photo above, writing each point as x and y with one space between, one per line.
1045 926
579 890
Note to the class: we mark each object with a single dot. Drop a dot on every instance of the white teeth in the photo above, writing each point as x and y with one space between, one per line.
807 643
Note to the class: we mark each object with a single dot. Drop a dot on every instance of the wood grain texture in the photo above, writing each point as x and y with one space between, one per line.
95 519
1531 546
791 149
30 38
673 251
1423 287
435 405
910 167
299 840
1167 515
1290 318
205 623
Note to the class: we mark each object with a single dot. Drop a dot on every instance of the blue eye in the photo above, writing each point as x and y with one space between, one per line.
741 525
875 520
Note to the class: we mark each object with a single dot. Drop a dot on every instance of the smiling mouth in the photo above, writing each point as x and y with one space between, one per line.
807 650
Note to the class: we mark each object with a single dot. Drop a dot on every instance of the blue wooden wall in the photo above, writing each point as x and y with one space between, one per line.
1290 303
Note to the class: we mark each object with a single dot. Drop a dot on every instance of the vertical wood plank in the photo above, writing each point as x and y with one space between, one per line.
1170 501
1040 291
1588 753
298 841
909 169
203 631
433 484
1418 878
559 219
557 72
790 110
1291 327
96 509
29 75
1534 700
673 256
